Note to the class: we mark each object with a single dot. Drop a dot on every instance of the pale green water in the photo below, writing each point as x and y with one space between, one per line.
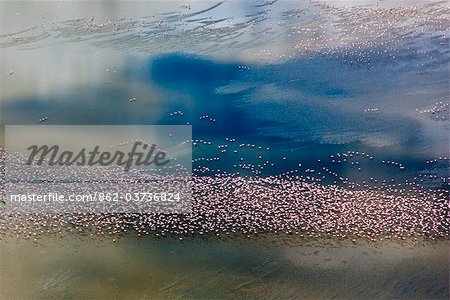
81 268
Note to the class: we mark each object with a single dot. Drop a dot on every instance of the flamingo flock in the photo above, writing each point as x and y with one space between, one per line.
227 204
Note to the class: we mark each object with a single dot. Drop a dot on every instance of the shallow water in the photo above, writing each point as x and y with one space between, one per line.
73 268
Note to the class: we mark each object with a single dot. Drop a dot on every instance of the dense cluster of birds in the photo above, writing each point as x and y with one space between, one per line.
227 204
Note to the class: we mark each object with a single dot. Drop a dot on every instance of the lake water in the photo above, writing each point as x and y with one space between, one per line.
303 81
76 268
